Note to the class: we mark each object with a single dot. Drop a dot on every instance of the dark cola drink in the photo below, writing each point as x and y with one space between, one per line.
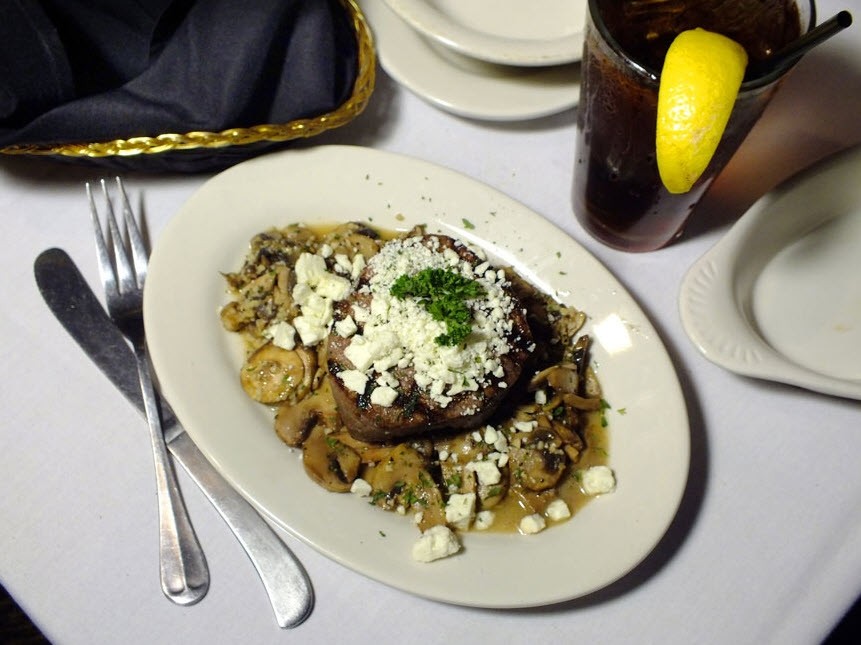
618 196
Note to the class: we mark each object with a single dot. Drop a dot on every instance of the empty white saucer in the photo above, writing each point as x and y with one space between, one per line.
508 32
463 85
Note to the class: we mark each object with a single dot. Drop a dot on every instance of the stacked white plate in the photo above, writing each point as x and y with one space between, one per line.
498 60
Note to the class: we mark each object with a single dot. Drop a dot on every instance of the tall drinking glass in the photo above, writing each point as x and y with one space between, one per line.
618 196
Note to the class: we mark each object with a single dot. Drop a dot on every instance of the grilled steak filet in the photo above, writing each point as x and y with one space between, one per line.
415 410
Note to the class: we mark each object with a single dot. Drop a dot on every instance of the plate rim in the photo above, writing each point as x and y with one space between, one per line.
427 581
709 293
434 24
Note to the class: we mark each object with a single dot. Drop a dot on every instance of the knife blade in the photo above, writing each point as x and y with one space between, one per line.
79 311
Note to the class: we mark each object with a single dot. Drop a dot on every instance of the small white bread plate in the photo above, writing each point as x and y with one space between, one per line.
198 363
465 86
779 297
508 32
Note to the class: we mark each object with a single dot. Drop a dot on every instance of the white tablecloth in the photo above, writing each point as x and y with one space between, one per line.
766 547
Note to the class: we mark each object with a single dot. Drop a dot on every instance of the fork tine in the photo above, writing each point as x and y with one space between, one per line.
125 278
139 254
106 269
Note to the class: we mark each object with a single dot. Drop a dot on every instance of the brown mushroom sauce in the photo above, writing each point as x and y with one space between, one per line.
558 399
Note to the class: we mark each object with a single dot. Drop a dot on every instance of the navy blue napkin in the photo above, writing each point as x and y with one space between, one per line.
100 70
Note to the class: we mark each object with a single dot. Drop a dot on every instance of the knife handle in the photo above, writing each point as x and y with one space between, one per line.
73 302
283 576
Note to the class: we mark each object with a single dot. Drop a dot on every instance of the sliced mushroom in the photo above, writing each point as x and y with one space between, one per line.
531 501
589 404
404 480
539 461
273 374
282 292
580 352
293 421
563 377
353 239
591 386
570 322
329 462
234 317
370 453
259 287
572 443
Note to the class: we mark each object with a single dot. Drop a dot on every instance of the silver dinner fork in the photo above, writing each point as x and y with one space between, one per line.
184 573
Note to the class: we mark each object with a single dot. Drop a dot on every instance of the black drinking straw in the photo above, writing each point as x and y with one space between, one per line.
796 49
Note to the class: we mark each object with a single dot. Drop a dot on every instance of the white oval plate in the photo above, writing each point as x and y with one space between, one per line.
197 364
779 296
508 32
465 86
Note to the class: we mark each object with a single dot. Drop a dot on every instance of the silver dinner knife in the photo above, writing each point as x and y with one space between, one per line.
73 302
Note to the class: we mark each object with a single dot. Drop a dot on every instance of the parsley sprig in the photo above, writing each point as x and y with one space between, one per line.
443 294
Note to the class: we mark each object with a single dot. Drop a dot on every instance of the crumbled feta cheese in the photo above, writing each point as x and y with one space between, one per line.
346 327
361 488
359 353
358 266
441 371
282 334
361 314
384 396
484 520
540 397
310 331
437 542
460 509
318 308
557 510
315 291
387 379
302 293
486 471
525 426
598 480
501 443
490 435
532 524
333 287
354 380
343 262
309 268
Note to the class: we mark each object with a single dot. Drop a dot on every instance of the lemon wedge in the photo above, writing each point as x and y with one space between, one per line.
700 81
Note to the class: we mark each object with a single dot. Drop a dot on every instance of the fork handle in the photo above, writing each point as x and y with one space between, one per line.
184 573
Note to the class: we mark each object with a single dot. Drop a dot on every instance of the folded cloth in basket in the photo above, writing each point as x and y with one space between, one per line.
100 70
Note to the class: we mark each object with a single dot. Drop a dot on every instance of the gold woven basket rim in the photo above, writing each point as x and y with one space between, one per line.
363 87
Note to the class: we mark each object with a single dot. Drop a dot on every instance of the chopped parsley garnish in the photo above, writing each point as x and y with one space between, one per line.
604 407
443 294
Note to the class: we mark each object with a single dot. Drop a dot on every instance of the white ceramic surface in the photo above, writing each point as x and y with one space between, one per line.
197 363
779 297
466 86
509 32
